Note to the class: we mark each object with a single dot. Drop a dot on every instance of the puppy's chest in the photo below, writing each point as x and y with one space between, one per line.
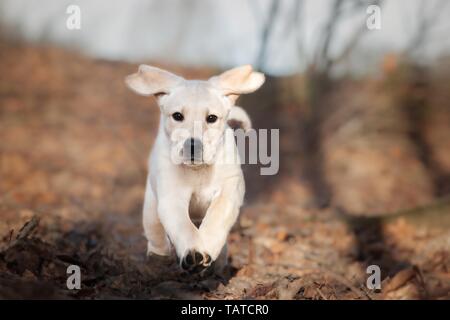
201 200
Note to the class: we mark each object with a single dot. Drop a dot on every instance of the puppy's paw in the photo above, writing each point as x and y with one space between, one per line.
195 261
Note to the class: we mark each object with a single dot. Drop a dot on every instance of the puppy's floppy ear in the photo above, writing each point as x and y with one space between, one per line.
238 81
152 81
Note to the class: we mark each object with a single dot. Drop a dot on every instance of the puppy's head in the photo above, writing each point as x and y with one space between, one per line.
194 113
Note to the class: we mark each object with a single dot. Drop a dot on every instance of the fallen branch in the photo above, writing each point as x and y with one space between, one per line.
24 232
28 228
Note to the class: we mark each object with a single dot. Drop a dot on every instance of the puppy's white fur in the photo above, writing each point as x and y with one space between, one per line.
177 192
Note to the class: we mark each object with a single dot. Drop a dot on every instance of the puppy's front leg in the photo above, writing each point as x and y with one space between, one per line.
157 241
221 215
173 211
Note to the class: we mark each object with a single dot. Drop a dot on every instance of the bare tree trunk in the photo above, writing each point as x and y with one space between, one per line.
322 59
425 23
265 37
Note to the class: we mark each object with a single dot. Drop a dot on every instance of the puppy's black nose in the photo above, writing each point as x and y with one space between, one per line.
193 149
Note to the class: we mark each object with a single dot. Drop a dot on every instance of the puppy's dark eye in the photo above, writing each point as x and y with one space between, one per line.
178 116
211 118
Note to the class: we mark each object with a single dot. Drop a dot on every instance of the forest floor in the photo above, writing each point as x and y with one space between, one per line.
73 151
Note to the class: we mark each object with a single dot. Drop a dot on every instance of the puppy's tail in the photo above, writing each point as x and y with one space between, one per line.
238 118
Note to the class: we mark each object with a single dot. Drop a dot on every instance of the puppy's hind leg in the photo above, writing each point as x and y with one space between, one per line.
157 240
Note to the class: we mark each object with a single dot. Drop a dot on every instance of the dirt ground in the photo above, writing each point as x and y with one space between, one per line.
73 149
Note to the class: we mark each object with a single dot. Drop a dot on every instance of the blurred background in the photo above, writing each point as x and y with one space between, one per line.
364 119
279 37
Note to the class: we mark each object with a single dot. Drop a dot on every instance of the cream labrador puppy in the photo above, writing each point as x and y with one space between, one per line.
191 177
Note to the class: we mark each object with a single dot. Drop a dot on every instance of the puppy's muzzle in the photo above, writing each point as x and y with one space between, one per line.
193 151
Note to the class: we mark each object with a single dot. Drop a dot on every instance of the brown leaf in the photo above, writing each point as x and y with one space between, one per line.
400 279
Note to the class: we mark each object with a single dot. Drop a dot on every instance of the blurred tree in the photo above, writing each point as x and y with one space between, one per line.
428 16
265 36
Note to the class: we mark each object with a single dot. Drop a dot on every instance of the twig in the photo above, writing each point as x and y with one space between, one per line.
321 294
23 233
28 228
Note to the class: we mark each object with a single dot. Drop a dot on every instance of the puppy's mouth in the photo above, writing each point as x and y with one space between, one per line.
193 161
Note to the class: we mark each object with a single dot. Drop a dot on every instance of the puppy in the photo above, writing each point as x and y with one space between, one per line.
189 182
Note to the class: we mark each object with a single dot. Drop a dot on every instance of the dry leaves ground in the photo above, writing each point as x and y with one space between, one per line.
73 149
